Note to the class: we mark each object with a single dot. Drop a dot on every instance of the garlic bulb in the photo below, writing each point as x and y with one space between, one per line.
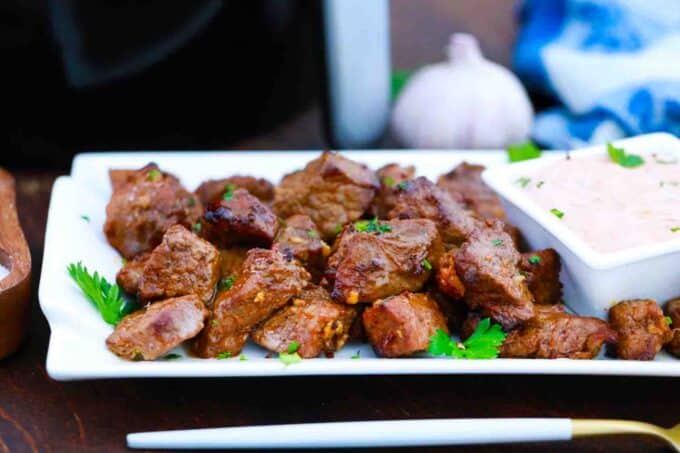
466 102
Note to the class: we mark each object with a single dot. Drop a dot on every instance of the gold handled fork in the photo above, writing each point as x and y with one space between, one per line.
599 427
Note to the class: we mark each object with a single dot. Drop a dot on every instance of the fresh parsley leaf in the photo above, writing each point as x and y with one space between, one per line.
214 322
426 264
312 234
619 156
399 79
403 185
497 242
388 181
289 359
668 320
338 228
557 213
123 261
293 347
171 357
523 151
540 184
372 226
223 355
356 356
242 358
103 295
153 175
523 181
191 202
85 218
228 282
534 259
675 229
484 343
196 227
228 191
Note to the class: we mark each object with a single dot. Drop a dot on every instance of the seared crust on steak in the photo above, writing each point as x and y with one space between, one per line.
213 190
641 328
542 272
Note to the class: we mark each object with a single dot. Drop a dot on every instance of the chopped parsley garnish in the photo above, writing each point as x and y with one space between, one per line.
557 213
668 320
338 228
171 357
540 184
497 242
153 175
312 234
675 229
523 181
191 202
223 355
426 264
372 226
242 358
85 218
523 151
291 356
403 185
388 181
123 261
213 323
228 282
484 343
103 295
619 156
534 259
228 191
196 227
356 356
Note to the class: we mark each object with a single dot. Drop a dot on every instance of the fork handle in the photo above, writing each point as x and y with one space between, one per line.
361 434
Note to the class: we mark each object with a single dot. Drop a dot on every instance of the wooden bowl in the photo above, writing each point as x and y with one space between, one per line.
15 288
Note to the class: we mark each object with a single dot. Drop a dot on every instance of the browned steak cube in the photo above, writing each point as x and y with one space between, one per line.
232 261
143 206
373 260
119 177
182 264
641 328
129 276
455 311
553 334
240 219
402 325
488 266
673 312
299 237
390 176
153 331
331 189
312 320
448 281
214 189
542 272
267 281
465 184
421 199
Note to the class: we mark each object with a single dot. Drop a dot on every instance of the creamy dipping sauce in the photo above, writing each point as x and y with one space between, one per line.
611 207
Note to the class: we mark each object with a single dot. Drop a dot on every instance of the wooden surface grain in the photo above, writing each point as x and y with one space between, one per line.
39 414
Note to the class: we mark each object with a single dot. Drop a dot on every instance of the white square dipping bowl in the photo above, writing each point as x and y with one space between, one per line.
593 280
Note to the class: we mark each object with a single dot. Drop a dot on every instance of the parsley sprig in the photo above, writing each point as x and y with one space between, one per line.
523 151
484 343
228 191
619 156
291 356
372 226
103 295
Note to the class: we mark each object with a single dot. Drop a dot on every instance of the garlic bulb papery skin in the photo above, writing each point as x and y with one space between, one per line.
467 102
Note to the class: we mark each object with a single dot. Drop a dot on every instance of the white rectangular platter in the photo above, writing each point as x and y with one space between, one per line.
77 349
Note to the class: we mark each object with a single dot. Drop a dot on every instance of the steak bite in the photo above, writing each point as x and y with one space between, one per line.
465 184
421 199
153 331
240 219
389 176
267 281
373 260
641 328
299 237
402 325
331 189
182 264
455 311
542 272
214 189
313 320
673 312
129 276
448 281
553 334
143 206
231 261
487 264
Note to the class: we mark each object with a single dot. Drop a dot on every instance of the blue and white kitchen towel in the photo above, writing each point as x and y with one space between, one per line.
614 65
